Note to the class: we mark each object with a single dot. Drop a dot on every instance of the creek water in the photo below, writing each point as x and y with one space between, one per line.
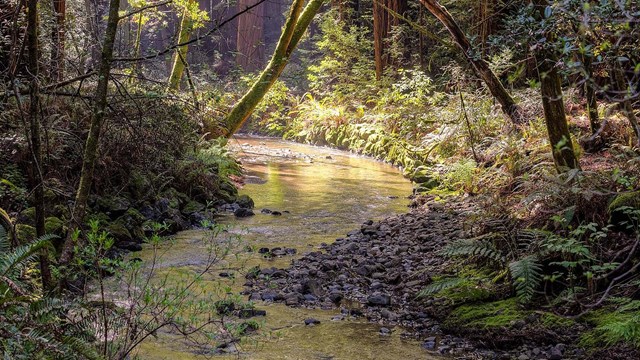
322 194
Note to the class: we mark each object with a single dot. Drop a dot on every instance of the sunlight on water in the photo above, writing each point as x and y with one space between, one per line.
322 194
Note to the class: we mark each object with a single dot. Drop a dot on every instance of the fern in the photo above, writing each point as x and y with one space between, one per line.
478 247
21 254
440 285
527 275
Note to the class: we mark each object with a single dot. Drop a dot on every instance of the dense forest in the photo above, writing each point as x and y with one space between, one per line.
515 120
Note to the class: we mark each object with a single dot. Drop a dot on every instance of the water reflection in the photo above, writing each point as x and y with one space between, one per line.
326 193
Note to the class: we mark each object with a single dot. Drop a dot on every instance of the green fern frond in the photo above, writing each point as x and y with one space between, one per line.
5 246
527 275
473 247
21 254
440 285
81 348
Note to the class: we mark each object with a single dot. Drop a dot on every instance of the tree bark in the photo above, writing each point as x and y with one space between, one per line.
249 37
58 39
293 30
627 108
90 154
590 94
36 175
384 20
555 118
509 107
180 57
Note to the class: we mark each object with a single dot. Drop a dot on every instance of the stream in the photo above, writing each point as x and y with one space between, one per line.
322 194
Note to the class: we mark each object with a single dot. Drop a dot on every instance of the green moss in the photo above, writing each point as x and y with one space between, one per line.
489 315
101 218
119 231
53 225
30 213
630 199
192 207
551 321
25 233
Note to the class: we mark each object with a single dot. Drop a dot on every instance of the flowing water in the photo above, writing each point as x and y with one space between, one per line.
322 194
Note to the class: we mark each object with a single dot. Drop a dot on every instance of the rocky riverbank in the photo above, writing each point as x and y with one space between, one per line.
377 270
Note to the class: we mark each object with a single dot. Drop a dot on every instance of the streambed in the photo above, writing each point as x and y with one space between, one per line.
321 194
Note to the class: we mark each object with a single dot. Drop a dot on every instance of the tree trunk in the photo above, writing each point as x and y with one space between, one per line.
58 39
293 30
627 108
590 94
385 17
36 175
559 137
180 57
249 37
90 154
379 34
483 71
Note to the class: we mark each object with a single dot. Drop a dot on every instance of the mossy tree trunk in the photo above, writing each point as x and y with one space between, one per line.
555 118
90 154
36 176
509 106
180 57
293 30
625 95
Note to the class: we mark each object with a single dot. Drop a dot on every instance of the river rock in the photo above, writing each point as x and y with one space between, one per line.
379 300
244 201
243 212
311 321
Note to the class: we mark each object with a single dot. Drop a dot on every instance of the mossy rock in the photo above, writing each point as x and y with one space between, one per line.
119 231
100 217
29 214
134 216
54 225
139 185
192 207
496 314
630 199
244 201
620 204
113 205
25 233
176 198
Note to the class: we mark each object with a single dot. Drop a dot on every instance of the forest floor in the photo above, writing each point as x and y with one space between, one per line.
377 270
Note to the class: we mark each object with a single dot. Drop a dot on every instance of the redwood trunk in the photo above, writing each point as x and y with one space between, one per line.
249 37
293 30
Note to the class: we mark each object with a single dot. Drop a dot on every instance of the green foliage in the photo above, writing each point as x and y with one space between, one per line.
479 247
619 323
527 276
488 315
33 326
440 285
